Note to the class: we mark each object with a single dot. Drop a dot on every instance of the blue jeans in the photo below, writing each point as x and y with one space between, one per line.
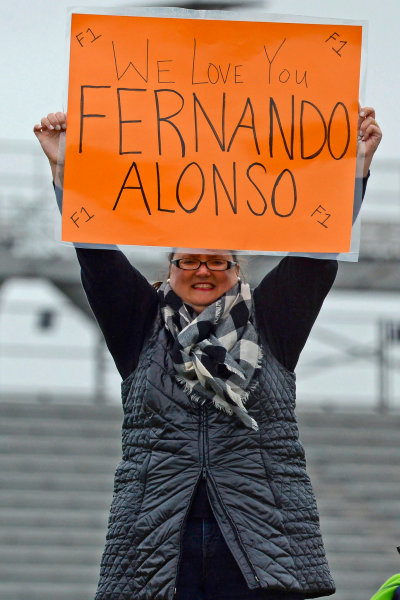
208 570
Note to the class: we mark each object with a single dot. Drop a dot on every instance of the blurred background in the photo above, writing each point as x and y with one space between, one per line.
59 390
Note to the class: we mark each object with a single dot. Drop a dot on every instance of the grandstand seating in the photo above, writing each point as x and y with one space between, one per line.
56 475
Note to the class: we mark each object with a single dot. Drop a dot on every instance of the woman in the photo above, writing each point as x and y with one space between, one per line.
211 498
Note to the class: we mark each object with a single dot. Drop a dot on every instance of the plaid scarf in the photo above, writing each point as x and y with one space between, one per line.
216 352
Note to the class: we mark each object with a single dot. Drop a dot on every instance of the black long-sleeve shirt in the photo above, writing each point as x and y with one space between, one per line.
287 303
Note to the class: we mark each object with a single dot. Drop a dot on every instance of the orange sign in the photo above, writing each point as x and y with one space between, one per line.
211 134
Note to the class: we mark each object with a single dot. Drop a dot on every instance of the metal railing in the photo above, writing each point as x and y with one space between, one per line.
28 215
40 338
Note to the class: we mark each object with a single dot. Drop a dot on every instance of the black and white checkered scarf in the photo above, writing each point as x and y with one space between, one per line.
216 352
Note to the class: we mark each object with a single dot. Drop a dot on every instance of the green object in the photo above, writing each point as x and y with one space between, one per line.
387 590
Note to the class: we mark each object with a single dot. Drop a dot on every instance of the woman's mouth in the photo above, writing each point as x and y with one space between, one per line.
203 286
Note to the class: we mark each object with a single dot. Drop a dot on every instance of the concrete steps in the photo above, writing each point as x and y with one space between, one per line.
42 591
38 444
44 499
56 476
36 481
58 464
57 573
12 536
354 463
67 518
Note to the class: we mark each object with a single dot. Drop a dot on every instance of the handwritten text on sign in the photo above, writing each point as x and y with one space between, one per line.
211 134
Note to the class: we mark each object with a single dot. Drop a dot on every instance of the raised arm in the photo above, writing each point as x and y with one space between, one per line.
51 134
369 138
288 301
290 297
122 300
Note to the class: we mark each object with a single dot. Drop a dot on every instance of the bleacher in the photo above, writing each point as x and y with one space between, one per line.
56 473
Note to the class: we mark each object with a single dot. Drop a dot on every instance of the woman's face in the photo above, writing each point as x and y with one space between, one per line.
202 287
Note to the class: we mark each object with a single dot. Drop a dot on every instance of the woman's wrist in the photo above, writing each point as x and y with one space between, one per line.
57 171
363 166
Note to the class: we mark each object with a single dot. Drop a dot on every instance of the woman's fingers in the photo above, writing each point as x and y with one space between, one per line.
48 132
369 127
37 128
62 119
369 136
367 111
58 120
367 124
52 122
364 112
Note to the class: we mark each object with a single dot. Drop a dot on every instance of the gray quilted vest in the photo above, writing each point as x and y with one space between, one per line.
257 484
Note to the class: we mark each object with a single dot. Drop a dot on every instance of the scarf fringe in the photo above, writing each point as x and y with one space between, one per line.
222 406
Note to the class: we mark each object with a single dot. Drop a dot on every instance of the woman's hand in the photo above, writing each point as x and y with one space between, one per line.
50 135
369 137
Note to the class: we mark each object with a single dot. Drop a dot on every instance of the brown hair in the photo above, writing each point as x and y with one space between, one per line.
171 255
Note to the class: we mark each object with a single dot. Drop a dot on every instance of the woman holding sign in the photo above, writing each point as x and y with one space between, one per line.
211 498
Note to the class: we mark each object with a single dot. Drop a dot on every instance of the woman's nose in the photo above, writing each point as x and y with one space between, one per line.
203 270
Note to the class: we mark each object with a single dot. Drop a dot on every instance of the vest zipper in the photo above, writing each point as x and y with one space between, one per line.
203 441
181 532
202 474
227 515
205 473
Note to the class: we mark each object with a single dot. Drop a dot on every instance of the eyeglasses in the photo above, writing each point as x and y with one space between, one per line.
213 264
